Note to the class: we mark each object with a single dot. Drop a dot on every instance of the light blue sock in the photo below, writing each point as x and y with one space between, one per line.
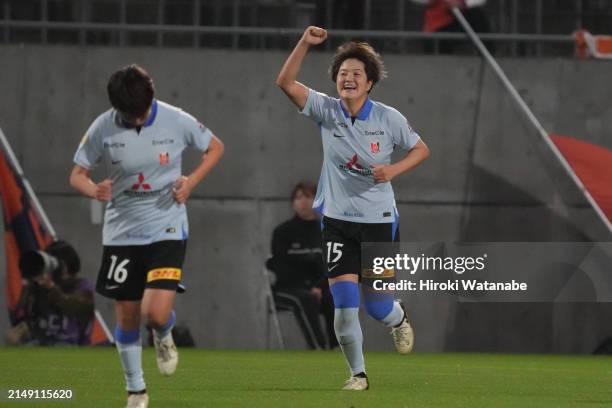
395 316
350 338
346 324
166 329
130 353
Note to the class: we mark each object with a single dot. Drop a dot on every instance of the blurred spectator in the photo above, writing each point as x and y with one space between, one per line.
56 306
439 18
298 265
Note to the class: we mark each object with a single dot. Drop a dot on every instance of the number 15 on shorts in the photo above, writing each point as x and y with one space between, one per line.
334 249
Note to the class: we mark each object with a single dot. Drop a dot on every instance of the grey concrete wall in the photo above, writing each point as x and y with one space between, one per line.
486 180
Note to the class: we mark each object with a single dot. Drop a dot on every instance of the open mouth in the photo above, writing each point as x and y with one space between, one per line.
349 87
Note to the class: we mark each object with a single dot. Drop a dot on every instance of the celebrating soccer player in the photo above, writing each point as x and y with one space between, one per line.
140 141
354 193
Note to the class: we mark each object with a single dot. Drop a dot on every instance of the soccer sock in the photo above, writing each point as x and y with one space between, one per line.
383 307
346 324
163 331
130 353
350 338
395 316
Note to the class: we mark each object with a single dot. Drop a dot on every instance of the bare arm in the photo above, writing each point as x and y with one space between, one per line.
184 185
287 77
80 180
416 155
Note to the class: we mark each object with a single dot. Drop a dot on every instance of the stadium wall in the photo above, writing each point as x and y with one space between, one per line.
486 180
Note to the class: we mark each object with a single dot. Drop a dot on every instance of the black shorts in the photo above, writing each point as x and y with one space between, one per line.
127 270
342 243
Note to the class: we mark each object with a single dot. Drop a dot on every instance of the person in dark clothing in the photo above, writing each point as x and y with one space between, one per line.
298 265
55 308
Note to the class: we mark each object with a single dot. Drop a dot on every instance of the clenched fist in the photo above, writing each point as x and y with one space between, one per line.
104 190
181 189
314 35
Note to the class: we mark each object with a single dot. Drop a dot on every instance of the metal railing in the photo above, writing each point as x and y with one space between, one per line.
255 36
526 25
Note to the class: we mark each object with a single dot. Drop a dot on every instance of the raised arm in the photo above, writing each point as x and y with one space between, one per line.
287 77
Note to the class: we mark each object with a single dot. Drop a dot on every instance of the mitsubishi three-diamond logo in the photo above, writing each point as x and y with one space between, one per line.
141 183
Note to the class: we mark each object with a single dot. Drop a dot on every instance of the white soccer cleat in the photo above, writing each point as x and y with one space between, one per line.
403 335
167 355
138 401
356 384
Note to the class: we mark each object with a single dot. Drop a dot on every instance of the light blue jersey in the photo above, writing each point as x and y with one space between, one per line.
143 166
347 190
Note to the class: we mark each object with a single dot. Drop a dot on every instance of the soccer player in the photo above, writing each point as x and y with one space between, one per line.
355 194
140 142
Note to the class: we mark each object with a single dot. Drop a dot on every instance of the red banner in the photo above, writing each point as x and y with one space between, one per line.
593 166
24 231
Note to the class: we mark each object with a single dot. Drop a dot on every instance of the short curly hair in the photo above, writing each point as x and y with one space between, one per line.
364 52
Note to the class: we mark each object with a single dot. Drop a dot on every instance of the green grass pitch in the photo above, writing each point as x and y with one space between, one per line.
312 379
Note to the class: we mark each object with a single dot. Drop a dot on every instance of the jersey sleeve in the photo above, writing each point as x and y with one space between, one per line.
402 133
90 150
196 134
319 106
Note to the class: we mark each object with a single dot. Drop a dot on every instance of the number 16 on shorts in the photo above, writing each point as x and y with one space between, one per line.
115 277
117 272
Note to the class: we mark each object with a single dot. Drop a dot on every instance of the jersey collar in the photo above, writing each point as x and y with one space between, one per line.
147 123
363 112
153 114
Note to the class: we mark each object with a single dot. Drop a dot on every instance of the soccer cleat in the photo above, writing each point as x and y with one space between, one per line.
138 401
356 384
167 356
403 336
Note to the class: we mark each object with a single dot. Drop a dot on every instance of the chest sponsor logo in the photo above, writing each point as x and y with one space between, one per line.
141 189
114 145
162 142
374 132
353 167
141 184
